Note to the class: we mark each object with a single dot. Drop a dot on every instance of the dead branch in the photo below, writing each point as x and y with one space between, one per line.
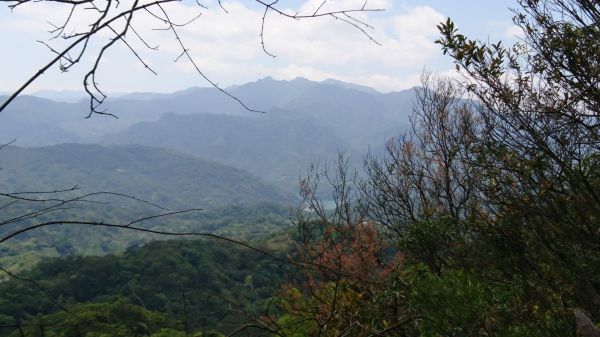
110 14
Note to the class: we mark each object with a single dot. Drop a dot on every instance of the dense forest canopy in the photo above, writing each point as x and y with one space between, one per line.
480 219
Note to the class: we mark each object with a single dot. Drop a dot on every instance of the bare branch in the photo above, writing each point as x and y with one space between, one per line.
108 14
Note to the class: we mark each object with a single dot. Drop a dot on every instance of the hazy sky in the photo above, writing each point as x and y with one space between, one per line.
227 47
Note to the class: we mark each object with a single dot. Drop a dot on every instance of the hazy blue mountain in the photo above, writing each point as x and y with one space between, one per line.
315 122
304 121
66 96
33 133
262 95
275 146
336 105
268 93
36 121
360 118
43 122
163 176
348 85
149 96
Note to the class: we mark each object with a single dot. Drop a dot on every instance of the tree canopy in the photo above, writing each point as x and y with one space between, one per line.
485 213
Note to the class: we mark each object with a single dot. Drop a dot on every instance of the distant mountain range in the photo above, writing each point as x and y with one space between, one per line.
161 176
303 121
275 146
66 96
194 148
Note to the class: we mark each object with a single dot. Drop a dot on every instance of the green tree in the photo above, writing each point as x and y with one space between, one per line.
117 319
491 199
540 102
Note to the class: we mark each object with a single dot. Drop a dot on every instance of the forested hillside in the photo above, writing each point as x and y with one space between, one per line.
169 178
277 146
228 201
199 284
476 215
304 121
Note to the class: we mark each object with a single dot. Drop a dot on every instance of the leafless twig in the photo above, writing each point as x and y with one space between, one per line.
117 17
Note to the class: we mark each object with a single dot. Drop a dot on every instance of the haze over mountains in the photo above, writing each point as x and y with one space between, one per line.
303 121
233 202
161 176
192 149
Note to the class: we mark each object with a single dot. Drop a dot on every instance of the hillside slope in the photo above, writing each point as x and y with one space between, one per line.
233 202
163 176
276 146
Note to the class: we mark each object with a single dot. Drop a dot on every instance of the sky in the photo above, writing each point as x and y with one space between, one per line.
227 48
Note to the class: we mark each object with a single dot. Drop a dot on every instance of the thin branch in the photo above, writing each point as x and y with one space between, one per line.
106 18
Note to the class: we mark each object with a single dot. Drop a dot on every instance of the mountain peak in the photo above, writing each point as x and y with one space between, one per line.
347 85
270 79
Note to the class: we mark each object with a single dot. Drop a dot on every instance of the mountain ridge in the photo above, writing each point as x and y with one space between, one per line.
275 146
305 121
145 172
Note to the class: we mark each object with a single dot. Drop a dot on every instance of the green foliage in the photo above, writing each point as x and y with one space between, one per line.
493 203
165 177
234 203
436 242
168 333
246 223
212 277
459 303
539 107
480 221
110 319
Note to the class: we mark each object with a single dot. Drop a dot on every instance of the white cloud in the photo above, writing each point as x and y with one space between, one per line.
293 70
44 17
505 30
310 6
227 46
513 32
385 83
407 39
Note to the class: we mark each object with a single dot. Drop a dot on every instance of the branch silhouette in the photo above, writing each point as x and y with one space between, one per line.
117 19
